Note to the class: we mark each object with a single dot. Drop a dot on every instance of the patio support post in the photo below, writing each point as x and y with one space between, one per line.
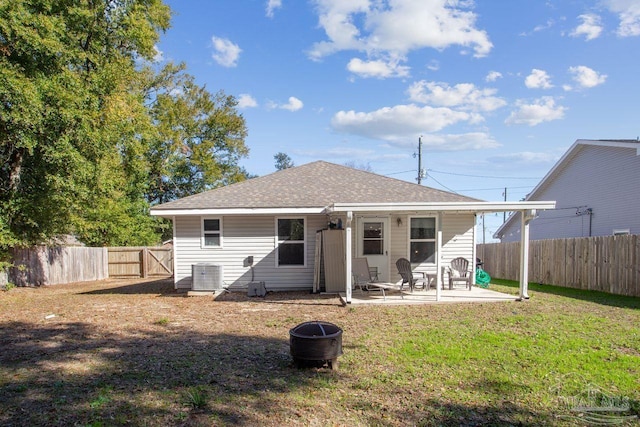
525 218
439 275
347 253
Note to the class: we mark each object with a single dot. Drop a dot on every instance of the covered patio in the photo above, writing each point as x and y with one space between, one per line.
527 210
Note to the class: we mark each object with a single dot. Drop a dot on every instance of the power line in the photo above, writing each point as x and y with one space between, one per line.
482 176
441 184
398 173
495 188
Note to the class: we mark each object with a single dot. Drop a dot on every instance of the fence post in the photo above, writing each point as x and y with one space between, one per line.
144 268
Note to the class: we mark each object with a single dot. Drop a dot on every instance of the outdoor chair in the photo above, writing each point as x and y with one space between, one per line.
362 279
411 277
459 272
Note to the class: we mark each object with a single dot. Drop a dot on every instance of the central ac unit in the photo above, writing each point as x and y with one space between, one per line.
206 277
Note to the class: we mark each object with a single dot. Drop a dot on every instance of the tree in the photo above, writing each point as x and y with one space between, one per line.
71 121
91 134
199 137
283 161
362 166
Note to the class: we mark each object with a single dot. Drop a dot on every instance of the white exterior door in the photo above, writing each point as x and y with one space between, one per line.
373 244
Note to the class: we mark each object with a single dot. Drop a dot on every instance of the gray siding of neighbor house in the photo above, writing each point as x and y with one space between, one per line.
605 179
245 236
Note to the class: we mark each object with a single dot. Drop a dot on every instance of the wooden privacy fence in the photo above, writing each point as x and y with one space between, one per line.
604 263
58 265
140 262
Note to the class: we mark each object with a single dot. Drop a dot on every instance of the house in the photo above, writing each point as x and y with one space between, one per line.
266 229
595 185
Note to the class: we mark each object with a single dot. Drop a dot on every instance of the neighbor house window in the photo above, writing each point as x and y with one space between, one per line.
211 232
291 241
422 240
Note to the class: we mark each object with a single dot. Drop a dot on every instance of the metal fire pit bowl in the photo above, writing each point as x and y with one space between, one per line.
316 344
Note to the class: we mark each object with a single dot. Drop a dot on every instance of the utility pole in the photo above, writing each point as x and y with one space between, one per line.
504 214
420 171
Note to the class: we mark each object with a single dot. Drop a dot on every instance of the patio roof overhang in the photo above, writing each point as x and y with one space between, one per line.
475 207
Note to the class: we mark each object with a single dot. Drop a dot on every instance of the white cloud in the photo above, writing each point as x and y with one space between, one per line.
159 56
459 142
377 68
225 52
246 101
591 27
493 76
464 96
585 77
527 157
272 5
542 110
392 29
629 13
397 123
294 104
433 65
538 79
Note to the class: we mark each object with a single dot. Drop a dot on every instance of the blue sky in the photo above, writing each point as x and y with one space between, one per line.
498 90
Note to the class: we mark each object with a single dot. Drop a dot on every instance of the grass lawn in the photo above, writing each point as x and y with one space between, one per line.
137 353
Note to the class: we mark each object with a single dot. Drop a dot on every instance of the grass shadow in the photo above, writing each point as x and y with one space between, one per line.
76 374
162 287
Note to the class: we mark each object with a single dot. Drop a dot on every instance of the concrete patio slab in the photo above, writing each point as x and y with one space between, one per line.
476 294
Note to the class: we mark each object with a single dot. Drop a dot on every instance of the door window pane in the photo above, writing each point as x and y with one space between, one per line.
372 238
372 247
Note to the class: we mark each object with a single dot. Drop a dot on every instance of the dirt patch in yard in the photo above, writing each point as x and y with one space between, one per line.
137 352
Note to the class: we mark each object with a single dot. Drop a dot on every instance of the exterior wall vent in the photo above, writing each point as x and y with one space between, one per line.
206 277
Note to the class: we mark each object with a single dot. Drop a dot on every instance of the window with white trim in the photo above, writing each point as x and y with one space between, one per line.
291 242
211 233
422 240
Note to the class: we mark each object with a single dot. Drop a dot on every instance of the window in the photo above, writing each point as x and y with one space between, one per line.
372 238
211 232
291 241
422 240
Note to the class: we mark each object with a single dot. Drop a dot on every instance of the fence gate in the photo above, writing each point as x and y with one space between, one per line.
140 262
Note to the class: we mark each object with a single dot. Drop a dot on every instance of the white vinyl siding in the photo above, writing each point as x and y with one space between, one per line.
245 236
605 179
256 236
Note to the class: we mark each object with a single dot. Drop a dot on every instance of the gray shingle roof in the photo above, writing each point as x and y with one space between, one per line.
317 184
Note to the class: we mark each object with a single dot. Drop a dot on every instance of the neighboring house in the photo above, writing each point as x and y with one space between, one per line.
265 229
595 184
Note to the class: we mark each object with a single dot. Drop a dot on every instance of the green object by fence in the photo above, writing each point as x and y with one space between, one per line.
482 278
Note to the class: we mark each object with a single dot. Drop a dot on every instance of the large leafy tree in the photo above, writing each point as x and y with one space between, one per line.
83 126
199 139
